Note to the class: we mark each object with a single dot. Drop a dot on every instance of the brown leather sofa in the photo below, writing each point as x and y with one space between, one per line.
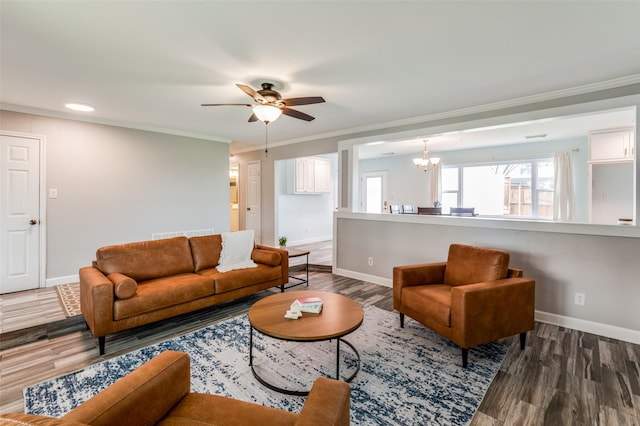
158 393
139 283
471 299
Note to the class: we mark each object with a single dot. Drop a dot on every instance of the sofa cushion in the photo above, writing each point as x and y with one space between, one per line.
468 265
124 287
161 293
236 251
206 251
268 257
201 409
234 280
148 259
434 300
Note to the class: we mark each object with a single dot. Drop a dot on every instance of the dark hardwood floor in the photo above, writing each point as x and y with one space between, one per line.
563 377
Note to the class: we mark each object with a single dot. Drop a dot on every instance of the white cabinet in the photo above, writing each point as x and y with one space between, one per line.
310 175
611 158
322 171
612 146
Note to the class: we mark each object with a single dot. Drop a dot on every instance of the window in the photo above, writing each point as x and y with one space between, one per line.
516 188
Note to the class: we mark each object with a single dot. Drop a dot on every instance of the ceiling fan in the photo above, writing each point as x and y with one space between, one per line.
270 105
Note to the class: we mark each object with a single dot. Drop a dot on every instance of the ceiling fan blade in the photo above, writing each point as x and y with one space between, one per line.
249 91
253 118
249 105
303 101
297 114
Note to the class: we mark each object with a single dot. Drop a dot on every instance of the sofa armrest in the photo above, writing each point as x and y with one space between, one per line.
328 404
284 265
487 311
142 397
96 300
418 274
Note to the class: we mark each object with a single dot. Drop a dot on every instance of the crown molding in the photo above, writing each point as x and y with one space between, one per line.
115 123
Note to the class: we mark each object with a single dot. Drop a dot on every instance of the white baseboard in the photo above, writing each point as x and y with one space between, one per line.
606 330
363 277
52 282
309 241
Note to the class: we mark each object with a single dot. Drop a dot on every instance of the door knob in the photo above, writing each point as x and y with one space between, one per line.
33 222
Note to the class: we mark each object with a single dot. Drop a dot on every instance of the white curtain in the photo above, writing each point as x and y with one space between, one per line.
563 202
434 185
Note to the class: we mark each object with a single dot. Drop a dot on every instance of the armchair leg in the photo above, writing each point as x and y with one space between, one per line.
465 355
401 320
101 341
523 339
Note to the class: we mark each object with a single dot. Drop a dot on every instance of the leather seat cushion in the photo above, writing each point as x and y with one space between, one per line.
433 301
161 293
200 409
239 278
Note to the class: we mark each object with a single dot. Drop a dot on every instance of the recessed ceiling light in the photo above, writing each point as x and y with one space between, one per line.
80 107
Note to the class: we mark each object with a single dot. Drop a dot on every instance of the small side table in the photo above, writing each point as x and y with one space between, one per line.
293 252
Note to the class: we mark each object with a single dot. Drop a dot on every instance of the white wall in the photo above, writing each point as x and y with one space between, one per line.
303 218
406 183
119 185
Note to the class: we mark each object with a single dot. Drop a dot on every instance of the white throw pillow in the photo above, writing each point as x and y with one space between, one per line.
236 251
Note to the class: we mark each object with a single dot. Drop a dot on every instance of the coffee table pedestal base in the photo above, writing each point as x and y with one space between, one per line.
304 393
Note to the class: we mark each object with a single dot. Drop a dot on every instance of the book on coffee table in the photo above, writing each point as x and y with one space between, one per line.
312 305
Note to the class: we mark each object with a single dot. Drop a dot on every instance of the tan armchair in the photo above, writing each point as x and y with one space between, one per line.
471 299
158 392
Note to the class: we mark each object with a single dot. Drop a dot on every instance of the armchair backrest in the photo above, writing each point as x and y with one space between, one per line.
469 264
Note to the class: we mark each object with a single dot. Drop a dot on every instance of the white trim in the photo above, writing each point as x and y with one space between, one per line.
526 100
606 330
116 123
363 277
52 282
42 201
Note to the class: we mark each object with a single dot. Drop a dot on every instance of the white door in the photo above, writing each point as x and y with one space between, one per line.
374 192
253 199
19 210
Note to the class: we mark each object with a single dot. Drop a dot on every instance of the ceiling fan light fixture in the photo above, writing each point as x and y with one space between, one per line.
267 113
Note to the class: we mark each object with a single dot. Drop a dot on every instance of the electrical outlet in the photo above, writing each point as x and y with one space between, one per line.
579 299
370 261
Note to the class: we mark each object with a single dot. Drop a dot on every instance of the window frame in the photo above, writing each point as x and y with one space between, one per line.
534 163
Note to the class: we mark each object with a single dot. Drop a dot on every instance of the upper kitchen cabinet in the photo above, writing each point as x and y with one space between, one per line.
612 146
309 175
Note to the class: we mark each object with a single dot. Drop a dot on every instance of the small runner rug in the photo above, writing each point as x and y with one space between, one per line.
408 376
69 297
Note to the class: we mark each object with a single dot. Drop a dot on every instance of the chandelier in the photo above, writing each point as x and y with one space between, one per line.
425 162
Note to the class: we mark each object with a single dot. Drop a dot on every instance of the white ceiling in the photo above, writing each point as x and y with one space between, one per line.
150 64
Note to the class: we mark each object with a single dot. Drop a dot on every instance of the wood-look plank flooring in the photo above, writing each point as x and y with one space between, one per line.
563 377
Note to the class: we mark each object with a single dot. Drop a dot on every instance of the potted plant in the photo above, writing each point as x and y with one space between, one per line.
282 241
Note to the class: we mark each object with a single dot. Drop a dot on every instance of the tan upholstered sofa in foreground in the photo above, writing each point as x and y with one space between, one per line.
159 393
471 299
139 283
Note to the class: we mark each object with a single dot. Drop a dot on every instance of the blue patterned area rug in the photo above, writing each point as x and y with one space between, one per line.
409 376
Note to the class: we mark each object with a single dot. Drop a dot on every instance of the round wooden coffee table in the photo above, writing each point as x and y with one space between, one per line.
339 317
